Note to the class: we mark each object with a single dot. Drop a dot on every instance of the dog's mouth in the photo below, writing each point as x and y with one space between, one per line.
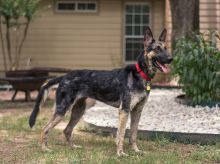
162 67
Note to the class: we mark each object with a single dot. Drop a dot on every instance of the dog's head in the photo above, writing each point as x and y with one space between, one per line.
156 55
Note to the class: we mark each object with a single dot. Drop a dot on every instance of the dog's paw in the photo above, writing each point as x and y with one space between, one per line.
136 150
120 153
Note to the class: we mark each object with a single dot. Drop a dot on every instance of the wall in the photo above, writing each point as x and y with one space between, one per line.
81 40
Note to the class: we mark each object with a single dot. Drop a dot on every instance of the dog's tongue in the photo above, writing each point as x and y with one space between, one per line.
164 67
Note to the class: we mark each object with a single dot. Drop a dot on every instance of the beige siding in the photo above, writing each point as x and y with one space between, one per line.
76 40
209 15
79 40
168 23
158 17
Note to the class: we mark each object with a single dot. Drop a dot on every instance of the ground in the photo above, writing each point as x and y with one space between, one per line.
20 144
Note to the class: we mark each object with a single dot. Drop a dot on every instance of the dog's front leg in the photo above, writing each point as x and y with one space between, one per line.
123 118
135 118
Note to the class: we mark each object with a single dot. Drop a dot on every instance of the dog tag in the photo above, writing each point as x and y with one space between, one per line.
148 87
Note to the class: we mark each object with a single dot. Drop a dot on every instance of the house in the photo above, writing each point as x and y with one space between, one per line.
100 34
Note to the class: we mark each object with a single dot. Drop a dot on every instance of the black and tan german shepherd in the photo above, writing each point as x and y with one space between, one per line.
126 88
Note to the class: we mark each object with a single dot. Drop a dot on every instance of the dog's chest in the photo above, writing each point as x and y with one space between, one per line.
139 91
137 96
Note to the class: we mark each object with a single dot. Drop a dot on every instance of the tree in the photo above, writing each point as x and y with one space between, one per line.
15 16
185 18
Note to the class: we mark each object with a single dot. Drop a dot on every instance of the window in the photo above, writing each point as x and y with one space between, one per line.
76 6
137 17
66 6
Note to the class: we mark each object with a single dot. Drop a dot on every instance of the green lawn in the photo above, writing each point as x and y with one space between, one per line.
20 144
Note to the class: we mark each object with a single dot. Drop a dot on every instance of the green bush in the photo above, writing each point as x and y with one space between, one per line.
197 64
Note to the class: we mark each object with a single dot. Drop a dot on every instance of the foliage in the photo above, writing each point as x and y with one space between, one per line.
197 63
16 16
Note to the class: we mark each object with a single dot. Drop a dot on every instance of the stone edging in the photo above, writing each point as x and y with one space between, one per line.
188 138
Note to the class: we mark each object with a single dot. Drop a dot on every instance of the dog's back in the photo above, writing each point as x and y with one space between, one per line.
105 86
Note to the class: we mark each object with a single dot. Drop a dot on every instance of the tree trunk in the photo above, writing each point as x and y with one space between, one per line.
3 46
22 42
185 18
8 40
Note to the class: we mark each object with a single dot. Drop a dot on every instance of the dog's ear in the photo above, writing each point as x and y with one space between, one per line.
148 37
163 35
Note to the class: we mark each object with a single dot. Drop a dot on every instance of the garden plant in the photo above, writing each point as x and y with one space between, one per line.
197 64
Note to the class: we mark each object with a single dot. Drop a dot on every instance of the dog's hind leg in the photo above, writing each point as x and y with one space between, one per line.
62 105
135 118
77 112
44 135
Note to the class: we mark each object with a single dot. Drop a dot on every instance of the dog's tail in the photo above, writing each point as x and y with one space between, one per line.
42 95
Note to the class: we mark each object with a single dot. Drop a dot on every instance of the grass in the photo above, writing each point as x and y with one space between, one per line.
20 144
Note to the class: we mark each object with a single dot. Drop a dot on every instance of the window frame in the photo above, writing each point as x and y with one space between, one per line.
133 36
76 6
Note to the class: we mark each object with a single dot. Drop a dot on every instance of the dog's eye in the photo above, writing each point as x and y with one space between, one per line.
158 48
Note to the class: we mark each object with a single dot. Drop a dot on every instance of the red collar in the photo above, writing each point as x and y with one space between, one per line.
143 75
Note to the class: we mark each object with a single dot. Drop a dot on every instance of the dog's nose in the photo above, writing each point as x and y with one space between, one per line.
170 59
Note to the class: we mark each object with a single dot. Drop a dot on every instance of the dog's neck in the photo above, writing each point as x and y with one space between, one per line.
145 65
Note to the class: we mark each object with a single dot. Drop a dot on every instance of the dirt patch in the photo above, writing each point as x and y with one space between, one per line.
18 107
13 111
3 133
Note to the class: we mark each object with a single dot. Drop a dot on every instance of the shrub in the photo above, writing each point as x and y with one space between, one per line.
197 64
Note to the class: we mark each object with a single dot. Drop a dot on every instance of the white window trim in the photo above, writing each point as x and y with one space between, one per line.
124 30
76 5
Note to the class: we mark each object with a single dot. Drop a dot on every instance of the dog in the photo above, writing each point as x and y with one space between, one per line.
126 88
